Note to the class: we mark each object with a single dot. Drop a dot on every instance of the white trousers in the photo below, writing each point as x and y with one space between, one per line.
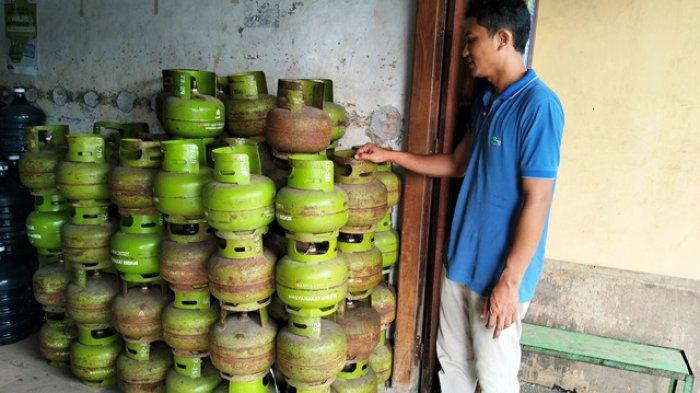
468 353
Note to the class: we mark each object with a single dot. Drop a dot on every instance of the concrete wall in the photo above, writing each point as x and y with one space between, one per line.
120 46
614 303
628 195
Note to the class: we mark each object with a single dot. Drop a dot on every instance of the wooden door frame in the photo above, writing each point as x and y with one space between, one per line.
437 88
423 119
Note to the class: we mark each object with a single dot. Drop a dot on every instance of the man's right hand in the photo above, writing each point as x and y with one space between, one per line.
372 152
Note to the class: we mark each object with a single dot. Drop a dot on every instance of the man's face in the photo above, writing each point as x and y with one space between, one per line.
480 50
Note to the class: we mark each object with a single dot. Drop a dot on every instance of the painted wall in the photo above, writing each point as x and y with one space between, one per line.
120 46
628 194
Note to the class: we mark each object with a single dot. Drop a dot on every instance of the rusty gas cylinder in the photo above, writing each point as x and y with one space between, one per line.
367 196
294 127
248 105
46 146
364 262
50 283
383 301
131 183
242 273
184 265
186 330
312 361
144 376
137 316
362 326
88 299
243 346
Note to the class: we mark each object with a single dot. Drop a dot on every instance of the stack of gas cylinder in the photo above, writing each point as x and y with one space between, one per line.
85 241
184 292
135 249
192 113
46 147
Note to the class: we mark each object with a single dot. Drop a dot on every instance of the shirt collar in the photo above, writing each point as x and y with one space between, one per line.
512 89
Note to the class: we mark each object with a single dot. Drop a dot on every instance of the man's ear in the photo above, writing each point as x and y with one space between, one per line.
505 38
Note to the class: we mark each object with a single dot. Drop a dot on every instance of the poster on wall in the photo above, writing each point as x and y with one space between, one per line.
20 34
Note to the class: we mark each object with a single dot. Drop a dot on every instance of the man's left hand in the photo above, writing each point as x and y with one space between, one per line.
500 309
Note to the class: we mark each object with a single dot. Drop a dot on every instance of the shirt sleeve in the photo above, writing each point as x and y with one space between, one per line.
541 140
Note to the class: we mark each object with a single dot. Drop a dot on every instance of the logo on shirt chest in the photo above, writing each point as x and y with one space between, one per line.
495 141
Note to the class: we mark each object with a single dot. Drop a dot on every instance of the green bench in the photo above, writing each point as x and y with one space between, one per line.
624 355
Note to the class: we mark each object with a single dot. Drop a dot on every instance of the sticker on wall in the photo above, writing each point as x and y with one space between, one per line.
21 32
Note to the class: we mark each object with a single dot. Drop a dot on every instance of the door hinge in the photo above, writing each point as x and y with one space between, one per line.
419 348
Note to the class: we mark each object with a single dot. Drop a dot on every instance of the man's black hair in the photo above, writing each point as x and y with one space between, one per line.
511 15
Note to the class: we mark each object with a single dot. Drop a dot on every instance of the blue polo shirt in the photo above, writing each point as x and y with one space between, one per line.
515 135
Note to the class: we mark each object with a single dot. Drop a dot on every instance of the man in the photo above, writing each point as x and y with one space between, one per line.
509 159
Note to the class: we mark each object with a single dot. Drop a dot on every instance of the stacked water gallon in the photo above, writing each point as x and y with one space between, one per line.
85 241
137 310
178 188
311 278
46 146
18 310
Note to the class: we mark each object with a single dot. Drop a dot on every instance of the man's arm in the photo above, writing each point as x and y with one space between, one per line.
502 306
433 165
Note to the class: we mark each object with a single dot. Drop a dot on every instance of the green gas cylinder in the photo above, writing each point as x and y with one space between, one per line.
55 337
237 200
207 83
186 330
137 316
242 273
248 105
46 146
383 301
364 262
362 326
184 264
295 127
367 196
263 384
85 239
243 346
307 361
131 183
337 113
208 379
310 203
82 175
311 279
178 187
45 222
94 356
356 378
135 248
381 360
89 299
50 283
189 114
147 375
113 132
387 241
391 181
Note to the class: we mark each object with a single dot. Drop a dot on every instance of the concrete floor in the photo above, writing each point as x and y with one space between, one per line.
23 370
